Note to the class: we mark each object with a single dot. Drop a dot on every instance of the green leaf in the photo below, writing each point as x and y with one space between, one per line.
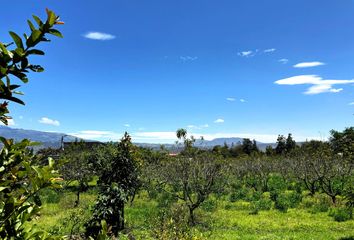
30 24
38 20
35 35
17 39
55 33
35 51
51 17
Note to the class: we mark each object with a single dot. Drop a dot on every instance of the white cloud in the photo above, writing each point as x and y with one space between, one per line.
319 85
188 58
198 127
97 135
49 121
242 100
308 64
126 125
283 60
219 120
99 36
231 99
352 103
245 53
269 50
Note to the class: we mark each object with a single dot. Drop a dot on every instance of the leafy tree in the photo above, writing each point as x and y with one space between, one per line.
247 146
117 169
77 167
192 176
20 179
290 143
343 142
281 145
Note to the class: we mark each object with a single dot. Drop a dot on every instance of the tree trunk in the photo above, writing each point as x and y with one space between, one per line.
77 202
191 216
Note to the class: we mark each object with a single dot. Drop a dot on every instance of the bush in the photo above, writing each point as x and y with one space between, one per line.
341 214
50 196
238 195
282 203
172 223
209 205
294 198
262 204
317 203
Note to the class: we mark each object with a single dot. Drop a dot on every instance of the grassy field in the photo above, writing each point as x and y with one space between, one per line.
225 220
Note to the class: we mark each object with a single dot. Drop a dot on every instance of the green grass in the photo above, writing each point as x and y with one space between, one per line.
227 221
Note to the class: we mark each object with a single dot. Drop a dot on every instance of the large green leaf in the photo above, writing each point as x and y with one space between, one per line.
17 39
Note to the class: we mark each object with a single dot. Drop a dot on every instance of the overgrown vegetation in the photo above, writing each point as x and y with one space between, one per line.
118 190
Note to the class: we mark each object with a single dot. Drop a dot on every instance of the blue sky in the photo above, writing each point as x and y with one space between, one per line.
218 68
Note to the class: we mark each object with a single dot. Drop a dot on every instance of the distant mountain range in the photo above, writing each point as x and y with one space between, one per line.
48 139
53 139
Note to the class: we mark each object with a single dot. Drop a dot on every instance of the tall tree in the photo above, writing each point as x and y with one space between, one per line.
117 169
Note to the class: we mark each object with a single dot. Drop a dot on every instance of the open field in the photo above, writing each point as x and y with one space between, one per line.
224 220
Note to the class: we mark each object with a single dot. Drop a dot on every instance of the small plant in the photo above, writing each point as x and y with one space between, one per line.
282 203
341 214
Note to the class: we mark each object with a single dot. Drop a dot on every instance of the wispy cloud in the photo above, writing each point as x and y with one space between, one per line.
198 126
319 85
48 121
352 103
219 120
126 125
246 53
269 50
188 58
242 100
252 53
99 36
231 99
308 64
283 60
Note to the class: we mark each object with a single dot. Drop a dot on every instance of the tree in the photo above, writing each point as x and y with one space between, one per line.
303 164
192 176
280 149
118 180
290 144
343 142
77 167
20 179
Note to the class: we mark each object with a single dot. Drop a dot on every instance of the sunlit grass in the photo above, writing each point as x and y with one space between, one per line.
231 222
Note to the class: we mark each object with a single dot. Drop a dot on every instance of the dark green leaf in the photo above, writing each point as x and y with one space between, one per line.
30 24
35 51
55 33
16 39
38 20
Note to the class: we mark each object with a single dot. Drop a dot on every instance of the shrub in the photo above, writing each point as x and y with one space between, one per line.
262 204
50 196
282 203
172 223
209 205
341 214
294 198
238 195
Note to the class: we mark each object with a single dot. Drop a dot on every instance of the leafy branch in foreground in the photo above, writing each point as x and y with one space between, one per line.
15 62
20 179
